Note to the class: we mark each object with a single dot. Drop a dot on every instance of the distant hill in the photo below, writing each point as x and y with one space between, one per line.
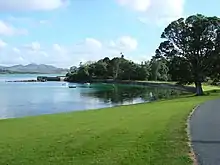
33 68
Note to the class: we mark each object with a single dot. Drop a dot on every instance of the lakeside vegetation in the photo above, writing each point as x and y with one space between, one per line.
188 54
119 94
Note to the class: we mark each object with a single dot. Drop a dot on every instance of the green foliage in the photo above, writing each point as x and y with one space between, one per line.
191 46
116 68
179 70
159 70
154 69
81 73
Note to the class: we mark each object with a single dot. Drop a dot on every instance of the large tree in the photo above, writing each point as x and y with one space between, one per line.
158 69
154 69
193 45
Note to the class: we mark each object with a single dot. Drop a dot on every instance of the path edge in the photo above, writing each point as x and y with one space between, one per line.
191 152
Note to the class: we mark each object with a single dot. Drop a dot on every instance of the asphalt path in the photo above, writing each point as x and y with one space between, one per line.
205 133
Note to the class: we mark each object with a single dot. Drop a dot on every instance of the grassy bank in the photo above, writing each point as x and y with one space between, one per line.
144 134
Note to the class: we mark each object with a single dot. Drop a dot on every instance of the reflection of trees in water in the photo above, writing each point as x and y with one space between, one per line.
122 93
161 93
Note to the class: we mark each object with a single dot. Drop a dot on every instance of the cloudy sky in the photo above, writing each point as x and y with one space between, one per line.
66 32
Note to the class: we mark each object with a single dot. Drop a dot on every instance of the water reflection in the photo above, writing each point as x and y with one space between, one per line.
120 94
29 99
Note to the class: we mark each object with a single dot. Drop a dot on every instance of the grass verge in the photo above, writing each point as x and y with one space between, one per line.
143 134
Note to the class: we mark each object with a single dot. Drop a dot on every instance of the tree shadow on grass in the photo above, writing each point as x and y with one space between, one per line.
215 91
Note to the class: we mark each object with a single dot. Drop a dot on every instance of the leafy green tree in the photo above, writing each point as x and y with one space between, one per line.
179 70
125 70
115 62
146 66
140 72
117 68
73 69
154 69
100 69
195 41
163 70
83 73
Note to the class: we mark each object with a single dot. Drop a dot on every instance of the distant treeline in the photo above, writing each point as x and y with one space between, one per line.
120 68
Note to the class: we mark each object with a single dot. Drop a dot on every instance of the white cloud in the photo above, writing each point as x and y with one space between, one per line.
34 46
18 19
89 49
8 30
57 47
93 43
44 22
60 50
139 5
16 50
159 11
29 5
87 46
125 43
2 44
9 56
43 53
28 21
141 57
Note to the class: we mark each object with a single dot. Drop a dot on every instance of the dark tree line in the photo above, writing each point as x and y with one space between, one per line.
119 69
189 53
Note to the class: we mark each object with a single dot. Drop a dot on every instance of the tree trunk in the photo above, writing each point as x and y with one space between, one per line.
199 90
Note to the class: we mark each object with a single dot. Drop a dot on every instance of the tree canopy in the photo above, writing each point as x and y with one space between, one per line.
191 46
119 68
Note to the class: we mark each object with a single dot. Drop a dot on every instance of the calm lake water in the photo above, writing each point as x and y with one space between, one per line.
35 98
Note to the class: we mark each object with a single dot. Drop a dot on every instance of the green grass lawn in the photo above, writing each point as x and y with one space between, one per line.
143 134
210 87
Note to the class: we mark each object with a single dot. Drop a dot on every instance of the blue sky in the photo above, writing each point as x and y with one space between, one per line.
66 32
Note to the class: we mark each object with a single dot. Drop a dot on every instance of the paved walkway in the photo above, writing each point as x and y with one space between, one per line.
205 133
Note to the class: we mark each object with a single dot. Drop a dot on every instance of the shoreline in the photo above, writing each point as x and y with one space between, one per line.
150 84
160 84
